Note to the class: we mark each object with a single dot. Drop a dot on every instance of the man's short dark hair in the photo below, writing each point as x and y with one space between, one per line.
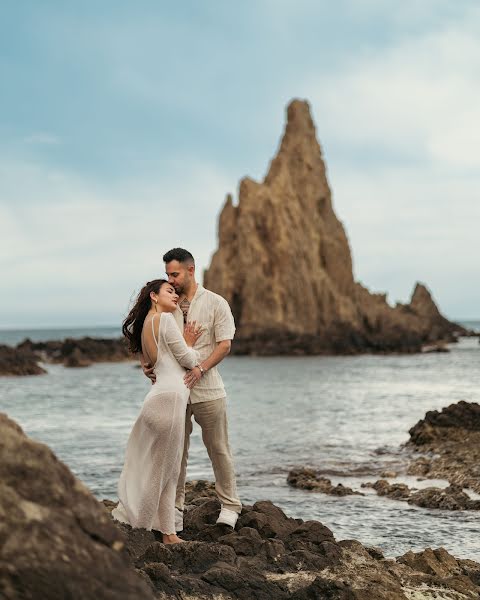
179 254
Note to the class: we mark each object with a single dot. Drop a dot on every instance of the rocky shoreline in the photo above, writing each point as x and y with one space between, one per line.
26 357
443 445
58 541
448 445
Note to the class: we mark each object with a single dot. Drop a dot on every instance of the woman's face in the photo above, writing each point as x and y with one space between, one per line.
167 298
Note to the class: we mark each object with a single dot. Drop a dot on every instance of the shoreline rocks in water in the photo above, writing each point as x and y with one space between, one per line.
57 541
284 232
449 444
19 362
450 498
308 479
24 359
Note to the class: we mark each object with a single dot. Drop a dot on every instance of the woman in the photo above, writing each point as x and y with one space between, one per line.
147 485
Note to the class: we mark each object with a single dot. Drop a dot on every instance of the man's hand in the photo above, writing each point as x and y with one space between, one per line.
192 377
148 372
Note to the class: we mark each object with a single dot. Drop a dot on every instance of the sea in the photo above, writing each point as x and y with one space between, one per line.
346 417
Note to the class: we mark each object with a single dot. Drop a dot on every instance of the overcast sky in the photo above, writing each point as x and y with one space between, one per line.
123 125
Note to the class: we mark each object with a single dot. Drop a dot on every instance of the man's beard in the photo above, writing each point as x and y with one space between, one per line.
180 289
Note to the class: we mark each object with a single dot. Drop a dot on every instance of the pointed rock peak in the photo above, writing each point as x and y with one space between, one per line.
422 302
299 153
421 293
299 118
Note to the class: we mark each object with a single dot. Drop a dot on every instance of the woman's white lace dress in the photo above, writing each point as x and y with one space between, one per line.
148 482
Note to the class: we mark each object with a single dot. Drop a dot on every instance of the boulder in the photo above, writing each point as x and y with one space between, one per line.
56 540
448 442
15 361
308 479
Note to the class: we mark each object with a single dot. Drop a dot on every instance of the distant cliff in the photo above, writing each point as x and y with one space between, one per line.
284 265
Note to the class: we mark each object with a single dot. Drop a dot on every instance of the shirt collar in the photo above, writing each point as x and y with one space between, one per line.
199 291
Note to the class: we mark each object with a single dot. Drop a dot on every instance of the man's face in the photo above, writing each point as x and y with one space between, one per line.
178 275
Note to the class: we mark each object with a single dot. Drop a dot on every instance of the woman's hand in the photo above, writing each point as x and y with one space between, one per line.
191 333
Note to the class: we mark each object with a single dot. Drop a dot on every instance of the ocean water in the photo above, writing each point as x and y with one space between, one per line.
346 416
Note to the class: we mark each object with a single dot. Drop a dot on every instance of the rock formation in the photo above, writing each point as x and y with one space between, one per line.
308 479
449 444
56 540
273 556
79 352
82 352
450 498
18 362
284 265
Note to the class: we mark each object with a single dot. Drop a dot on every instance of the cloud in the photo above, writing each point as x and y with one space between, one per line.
42 138
417 99
69 245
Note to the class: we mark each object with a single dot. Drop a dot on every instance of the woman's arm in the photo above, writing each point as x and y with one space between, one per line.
186 356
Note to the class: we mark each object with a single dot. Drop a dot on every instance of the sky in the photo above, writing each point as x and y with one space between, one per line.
123 125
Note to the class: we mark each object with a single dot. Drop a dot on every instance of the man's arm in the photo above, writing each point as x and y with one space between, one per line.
147 368
221 351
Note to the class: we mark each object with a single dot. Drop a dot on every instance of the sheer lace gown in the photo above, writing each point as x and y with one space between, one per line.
147 485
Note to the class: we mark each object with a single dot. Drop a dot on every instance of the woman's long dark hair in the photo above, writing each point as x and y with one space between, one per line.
133 324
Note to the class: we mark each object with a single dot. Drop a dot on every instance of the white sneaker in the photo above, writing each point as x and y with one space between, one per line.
178 520
227 517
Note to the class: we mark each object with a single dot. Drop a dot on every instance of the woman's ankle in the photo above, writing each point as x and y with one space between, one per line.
171 538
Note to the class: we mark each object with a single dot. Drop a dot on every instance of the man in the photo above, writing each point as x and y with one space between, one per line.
207 403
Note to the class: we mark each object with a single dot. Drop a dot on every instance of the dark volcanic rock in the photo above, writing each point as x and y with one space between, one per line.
449 441
271 555
78 352
284 232
447 423
308 479
56 540
450 498
396 491
18 362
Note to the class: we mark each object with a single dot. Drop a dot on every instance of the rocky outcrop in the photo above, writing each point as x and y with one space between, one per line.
449 444
308 479
450 498
284 265
270 555
56 540
79 352
19 362
82 352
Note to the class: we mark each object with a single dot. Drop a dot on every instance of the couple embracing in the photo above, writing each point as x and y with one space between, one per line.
181 331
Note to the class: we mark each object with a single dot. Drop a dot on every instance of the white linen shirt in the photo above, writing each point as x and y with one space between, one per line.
213 313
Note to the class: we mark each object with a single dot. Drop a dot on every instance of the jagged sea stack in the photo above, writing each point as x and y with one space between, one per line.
284 264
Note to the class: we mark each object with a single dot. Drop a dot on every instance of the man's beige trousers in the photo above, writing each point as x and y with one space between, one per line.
211 415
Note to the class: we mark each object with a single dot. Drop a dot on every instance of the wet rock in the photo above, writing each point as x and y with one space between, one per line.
290 214
446 423
18 362
308 479
192 557
396 491
56 540
450 498
449 444
80 352
196 489
269 520
247 542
